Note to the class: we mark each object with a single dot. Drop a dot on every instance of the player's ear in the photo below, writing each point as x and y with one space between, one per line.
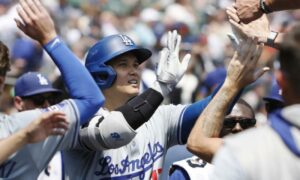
18 102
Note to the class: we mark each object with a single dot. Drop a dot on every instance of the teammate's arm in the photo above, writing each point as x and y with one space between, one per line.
49 124
204 138
37 24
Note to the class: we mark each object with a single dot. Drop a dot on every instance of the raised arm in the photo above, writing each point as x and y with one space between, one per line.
37 24
250 10
49 124
204 138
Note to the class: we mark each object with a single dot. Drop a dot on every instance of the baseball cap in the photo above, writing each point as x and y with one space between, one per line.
212 79
275 93
33 83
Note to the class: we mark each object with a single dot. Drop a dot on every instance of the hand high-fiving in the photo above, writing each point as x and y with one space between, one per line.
170 69
36 21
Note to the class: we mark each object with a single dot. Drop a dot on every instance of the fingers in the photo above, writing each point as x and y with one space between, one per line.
23 15
20 25
185 62
234 41
261 72
173 39
163 58
55 123
25 7
236 26
178 41
232 14
34 6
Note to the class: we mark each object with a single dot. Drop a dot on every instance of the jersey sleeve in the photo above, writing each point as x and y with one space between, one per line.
166 120
42 152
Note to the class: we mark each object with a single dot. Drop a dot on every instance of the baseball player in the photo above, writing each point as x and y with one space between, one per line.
242 117
45 125
28 162
113 62
33 90
276 153
109 134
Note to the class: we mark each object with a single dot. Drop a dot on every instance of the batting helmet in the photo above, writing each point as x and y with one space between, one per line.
107 49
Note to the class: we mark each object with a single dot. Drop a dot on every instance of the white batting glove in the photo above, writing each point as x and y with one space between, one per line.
170 69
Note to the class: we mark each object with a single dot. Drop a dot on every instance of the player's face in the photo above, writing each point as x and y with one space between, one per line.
127 82
36 101
239 119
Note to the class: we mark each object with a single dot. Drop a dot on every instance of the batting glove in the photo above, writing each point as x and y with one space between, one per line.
170 69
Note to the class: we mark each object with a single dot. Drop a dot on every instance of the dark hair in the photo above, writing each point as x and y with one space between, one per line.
289 57
4 59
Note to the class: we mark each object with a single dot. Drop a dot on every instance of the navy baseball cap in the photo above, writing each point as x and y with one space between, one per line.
33 83
275 93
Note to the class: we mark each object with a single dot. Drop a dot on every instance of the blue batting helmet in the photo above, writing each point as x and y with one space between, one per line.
107 49
275 94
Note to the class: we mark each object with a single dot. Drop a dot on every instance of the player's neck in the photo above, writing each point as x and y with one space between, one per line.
113 101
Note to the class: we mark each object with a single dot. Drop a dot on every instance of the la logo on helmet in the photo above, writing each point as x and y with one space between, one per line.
126 40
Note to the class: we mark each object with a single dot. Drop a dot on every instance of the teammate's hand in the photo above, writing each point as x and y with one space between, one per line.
49 124
242 67
248 10
36 21
170 69
258 28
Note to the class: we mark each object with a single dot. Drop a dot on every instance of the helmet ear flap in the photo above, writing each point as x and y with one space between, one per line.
104 76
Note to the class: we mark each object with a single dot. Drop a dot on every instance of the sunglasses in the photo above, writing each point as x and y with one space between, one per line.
40 99
245 123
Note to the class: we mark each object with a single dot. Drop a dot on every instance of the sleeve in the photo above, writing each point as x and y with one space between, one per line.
81 86
43 151
227 166
165 122
109 132
194 110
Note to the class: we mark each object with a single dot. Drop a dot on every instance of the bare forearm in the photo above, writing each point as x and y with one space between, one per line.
279 5
203 139
11 144
211 120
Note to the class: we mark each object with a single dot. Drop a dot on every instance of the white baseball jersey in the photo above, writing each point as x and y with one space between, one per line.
27 163
196 168
54 170
142 158
260 153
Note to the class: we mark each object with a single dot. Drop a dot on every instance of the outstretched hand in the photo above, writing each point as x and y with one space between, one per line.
170 69
258 28
49 124
36 21
242 67
248 10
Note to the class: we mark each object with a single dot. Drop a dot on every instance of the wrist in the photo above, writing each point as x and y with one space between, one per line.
160 87
48 39
263 6
22 136
231 86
